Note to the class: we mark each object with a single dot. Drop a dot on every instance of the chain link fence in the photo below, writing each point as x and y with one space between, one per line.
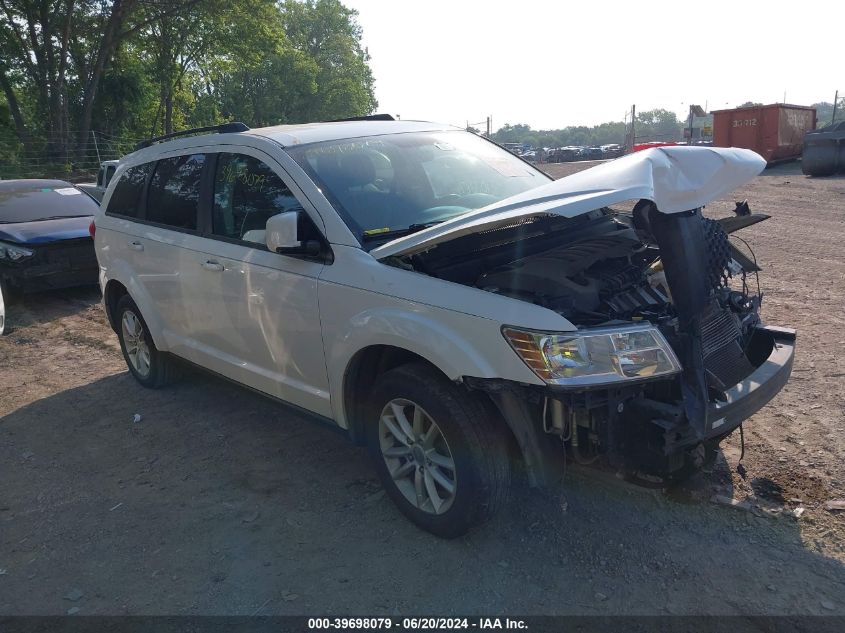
53 157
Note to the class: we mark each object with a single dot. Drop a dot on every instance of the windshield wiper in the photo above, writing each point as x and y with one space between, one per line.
413 228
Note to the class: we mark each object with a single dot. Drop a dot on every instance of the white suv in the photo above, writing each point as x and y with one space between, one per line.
444 302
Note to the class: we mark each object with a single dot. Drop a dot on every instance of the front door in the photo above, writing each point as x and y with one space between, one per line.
258 321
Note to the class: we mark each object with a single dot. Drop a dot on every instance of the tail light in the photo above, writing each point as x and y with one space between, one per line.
92 228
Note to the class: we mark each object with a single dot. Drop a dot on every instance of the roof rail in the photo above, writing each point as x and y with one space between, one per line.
223 128
369 117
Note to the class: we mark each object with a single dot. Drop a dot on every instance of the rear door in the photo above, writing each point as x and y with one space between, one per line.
162 248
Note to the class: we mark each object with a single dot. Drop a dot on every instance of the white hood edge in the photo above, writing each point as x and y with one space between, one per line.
675 178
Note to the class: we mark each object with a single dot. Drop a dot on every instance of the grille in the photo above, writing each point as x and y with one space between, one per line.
69 254
721 345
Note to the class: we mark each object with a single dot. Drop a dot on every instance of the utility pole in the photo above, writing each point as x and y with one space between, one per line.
689 141
835 103
489 126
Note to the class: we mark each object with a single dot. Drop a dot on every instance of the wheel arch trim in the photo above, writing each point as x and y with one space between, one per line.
121 274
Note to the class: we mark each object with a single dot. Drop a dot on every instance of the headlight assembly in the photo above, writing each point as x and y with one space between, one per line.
595 357
14 253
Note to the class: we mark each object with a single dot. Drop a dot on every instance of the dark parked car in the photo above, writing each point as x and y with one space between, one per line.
591 153
44 237
563 154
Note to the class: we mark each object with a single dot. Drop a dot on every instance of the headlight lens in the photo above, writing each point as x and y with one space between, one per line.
14 253
595 357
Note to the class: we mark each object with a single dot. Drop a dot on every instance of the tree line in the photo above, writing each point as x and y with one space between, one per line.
658 124
138 68
651 125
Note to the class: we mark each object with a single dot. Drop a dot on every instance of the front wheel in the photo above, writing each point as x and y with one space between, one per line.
438 450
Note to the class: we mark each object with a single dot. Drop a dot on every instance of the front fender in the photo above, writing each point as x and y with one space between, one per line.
440 345
457 344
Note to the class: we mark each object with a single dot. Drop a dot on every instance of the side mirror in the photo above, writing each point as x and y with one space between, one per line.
281 231
282 236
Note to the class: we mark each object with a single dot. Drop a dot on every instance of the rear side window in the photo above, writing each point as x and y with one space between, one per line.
246 193
126 197
174 192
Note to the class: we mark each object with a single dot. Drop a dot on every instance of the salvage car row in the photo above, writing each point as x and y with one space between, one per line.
445 303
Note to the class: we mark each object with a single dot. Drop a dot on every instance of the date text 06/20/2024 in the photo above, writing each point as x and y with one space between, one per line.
416 624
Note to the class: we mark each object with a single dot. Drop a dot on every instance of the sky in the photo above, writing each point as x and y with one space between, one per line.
553 64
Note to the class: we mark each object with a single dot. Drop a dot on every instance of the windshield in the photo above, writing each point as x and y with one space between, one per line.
34 200
393 184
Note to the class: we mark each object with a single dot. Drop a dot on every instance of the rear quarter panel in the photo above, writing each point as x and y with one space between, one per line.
116 264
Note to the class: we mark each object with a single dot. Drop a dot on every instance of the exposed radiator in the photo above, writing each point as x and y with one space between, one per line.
721 342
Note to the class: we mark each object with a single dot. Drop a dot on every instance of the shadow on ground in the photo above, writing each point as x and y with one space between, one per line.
221 502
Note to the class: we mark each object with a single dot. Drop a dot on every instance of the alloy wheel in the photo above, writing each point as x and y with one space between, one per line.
417 456
134 339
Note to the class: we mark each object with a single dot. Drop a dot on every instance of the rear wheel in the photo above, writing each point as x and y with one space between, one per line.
439 452
146 363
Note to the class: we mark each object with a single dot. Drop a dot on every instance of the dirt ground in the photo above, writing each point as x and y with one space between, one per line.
220 502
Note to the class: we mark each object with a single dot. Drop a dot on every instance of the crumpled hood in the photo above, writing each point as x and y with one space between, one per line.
675 178
46 231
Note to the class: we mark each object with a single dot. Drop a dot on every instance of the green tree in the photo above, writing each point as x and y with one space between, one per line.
512 133
658 125
329 34
54 56
176 47
136 67
824 112
606 133
317 71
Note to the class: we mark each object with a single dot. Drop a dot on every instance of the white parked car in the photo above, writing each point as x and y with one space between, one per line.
444 302
106 172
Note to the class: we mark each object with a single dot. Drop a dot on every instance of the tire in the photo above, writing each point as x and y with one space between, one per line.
3 298
150 367
467 432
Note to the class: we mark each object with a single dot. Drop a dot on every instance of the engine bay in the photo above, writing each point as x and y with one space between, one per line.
597 269
589 282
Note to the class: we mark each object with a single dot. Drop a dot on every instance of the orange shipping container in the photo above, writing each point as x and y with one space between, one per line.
776 131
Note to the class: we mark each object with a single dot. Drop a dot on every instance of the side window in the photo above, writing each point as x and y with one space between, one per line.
109 174
174 194
126 196
246 193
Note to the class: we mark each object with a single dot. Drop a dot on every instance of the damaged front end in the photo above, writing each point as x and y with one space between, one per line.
670 354
732 364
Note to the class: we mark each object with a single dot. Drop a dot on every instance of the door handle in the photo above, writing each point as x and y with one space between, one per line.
212 265
136 246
